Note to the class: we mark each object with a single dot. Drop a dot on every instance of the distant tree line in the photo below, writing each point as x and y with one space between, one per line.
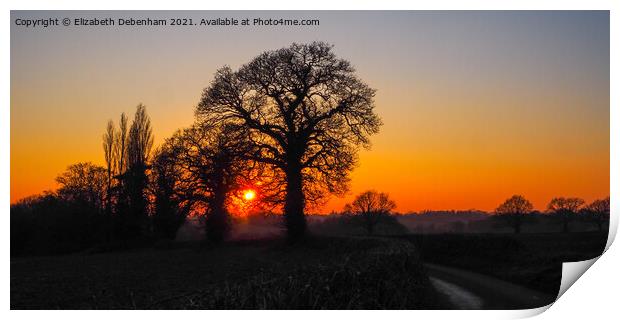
517 210
92 204
287 125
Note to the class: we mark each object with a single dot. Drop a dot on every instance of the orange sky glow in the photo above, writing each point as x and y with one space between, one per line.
476 106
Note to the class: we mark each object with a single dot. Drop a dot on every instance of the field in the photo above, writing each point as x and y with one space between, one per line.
531 260
322 273
387 272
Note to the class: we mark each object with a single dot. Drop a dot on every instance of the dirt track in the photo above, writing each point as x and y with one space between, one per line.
468 290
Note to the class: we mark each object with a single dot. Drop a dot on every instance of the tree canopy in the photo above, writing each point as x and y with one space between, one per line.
371 206
306 112
514 209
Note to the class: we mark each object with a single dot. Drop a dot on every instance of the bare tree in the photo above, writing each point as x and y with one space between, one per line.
371 206
140 140
135 180
597 212
84 184
121 144
212 161
171 207
307 113
565 209
514 210
109 152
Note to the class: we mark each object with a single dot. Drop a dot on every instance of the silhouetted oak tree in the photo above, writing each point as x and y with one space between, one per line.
209 160
514 210
167 177
371 206
597 212
564 209
307 113
83 184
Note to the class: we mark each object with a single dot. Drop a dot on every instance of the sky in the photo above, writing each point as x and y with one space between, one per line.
476 106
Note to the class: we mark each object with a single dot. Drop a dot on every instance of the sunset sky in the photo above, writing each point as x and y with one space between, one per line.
477 106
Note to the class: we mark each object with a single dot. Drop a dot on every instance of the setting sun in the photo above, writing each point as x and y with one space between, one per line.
249 195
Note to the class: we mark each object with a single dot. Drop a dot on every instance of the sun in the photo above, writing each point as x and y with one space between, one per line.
249 195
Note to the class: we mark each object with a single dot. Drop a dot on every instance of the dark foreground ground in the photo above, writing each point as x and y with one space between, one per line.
405 272
530 260
323 273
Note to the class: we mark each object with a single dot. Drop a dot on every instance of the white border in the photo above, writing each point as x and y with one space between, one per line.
586 299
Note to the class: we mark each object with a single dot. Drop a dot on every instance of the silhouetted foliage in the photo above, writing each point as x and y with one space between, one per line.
514 210
135 179
120 144
288 125
348 224
170 212
69 220
372 207
564 209
209 165
597 212
110 158
306 111
119 200
83 184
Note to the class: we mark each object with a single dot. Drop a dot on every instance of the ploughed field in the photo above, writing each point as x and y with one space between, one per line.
321 273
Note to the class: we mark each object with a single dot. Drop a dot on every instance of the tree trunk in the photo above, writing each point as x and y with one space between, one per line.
108 209
136 219
294 202
218 224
